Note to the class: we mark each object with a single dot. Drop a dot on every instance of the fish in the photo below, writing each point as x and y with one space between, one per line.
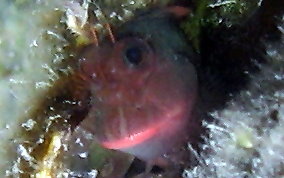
143 86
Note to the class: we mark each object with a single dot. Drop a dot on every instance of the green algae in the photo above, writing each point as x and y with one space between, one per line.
208 15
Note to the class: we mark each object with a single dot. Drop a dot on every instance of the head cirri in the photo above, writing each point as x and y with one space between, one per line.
143 87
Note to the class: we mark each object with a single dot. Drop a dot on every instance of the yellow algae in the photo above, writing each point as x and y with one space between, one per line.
244 138
48 163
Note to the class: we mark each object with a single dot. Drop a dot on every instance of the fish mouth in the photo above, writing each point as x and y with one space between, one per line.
167 122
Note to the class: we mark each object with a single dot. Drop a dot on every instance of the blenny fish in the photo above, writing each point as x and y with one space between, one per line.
143 86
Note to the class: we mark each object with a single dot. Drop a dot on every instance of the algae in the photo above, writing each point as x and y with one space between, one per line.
209 15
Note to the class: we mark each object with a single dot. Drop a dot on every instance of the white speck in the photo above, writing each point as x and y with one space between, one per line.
259 3
54 117
98 13
34 44
24 153
29 124
78 141
55 35
113 14
83 155
52 74
57 143
94 75
15 81
119 17
42 85
221 3
279 28
93 173
14 169
279 77
41 140
69 102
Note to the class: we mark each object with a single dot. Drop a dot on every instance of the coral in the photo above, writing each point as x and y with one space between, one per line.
30 44
246 137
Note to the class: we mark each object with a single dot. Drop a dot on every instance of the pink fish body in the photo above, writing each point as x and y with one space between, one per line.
143 91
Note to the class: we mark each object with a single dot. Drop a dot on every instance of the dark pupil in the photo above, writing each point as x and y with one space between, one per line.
133 55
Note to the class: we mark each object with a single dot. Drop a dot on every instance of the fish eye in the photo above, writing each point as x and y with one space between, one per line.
133 55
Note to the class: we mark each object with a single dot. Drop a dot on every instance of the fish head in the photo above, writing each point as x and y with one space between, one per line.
142 96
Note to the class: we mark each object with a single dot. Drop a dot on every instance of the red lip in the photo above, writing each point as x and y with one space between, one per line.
169 118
